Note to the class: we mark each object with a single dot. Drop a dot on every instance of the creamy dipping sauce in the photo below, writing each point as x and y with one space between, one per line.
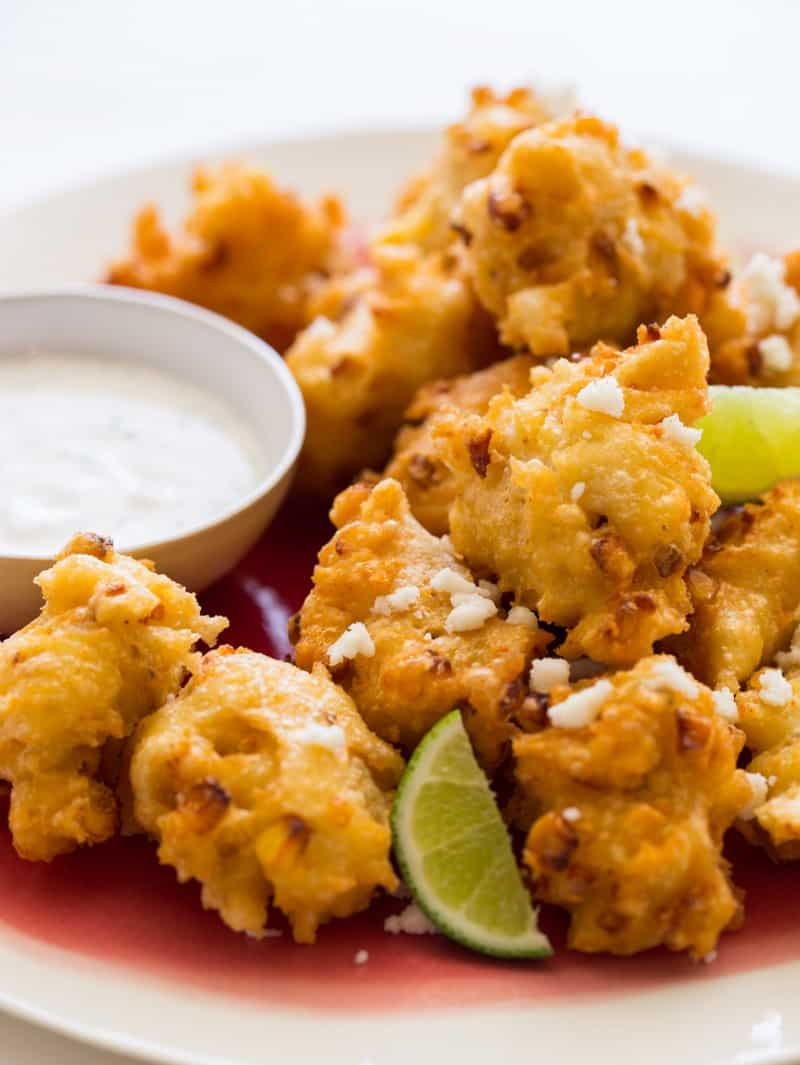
115 448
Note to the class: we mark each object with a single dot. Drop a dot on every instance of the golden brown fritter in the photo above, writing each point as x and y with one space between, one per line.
586 497
769 714
263 783
422 663
574 238
470 151
745 591
414 320
627 812
416 464
248 249
113 641
753 326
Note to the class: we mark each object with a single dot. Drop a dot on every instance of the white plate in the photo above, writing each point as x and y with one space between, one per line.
746 1018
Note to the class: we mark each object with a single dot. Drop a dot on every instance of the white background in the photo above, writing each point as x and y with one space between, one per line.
90 86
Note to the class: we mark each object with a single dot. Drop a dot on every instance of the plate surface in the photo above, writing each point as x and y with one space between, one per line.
106 947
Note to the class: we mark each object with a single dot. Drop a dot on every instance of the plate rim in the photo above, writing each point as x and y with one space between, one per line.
110 1038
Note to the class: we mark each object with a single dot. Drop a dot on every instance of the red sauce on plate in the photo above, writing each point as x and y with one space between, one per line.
116 904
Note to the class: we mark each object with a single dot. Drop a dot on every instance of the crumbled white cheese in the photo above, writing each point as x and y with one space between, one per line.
669 676
490 590
725 704
571 813
674 430
548 674
472 604
603 395
772 781
692 200
470 612
451 583
355 640
361 957
760 788
771 303
321 328
314 735
710 957
586 434
632 238
521 615
580 709
774 688
776 353
577 491
412 921
397 601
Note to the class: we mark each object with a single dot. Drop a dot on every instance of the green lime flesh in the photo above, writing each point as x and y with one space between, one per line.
751 439
454 850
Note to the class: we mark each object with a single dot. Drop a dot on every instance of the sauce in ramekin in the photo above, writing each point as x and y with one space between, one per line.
120 448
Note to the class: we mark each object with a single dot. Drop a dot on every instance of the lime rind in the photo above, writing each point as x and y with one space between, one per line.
490 913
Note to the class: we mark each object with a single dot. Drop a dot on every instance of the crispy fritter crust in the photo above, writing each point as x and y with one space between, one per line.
419 671
113 641
606 562
745 591
470 151
384 334
655 785
248 249
773 737
735 333
416 464
574 238
233 780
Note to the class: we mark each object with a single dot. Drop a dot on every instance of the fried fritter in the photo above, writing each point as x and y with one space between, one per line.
263 783
430 641
745 591
248 249
113 641
427 482
769 714
753 327
574 238
470 151
627 810
414 320
586 497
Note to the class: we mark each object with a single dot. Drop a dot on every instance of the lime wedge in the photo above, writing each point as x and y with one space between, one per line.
751 438
455 853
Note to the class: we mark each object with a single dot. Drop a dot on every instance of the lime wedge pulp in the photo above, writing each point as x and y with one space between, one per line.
454 851
751 438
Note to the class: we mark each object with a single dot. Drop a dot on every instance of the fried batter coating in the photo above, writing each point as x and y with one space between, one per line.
422 666
745 591
470 151
574 238
263 783
416 464
248 249
753 326
414 320
113 641
629 813
587 504
773 737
